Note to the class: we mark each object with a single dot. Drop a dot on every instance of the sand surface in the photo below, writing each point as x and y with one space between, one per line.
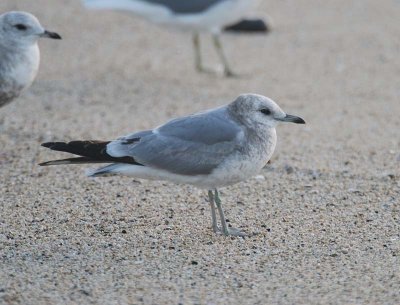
325 221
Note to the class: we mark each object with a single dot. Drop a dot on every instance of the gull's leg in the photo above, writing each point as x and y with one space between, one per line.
225 230
198 58
213 214
197 52
221 54
221 213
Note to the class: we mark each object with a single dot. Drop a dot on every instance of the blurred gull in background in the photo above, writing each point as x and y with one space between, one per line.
19 52
209 150
196 16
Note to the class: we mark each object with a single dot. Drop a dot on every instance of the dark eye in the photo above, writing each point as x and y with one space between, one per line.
20 27
266 111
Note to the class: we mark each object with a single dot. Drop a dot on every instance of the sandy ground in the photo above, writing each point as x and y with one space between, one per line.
325 221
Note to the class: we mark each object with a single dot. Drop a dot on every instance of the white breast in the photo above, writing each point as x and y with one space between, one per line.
26 67
241 167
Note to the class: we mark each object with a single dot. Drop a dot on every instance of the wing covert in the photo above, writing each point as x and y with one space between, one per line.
192 145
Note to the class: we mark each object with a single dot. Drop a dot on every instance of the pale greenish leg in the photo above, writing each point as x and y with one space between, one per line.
213 214
198 58
218 202
221 54
197 52
225 230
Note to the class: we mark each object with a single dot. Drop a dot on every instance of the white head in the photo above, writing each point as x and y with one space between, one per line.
21 29
256 110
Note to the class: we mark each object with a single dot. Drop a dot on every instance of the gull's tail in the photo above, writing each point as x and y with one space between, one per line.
89 152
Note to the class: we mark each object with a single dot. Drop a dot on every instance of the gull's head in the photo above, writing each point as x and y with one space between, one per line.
255 110
21 29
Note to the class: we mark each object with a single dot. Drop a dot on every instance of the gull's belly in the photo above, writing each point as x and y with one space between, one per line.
238 166
229 173
235 171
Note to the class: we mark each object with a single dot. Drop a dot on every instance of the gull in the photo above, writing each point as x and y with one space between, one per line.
210 149
195 16
19 52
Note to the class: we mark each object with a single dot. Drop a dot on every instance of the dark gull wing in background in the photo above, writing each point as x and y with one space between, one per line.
249 26
141 6
186 6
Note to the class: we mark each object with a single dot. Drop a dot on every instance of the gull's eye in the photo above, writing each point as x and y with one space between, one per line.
266 111
21 27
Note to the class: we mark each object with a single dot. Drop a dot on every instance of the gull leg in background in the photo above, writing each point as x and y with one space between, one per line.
208 16
213 214
225 230
198 58
220 51
197 52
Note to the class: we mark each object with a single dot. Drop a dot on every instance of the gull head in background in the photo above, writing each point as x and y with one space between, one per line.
22 29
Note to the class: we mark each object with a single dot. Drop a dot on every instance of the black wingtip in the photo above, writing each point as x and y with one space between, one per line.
249 26
56 145
46 163
55 162
47 144
90 152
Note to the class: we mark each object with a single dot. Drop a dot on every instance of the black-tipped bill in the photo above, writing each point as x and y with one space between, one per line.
292 119
52 35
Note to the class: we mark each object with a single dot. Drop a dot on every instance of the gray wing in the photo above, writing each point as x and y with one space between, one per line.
186 6
192 145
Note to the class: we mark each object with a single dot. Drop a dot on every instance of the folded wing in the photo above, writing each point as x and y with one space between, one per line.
193 145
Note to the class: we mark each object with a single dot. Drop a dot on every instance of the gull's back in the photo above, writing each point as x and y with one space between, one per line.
192 145
188 15
186 7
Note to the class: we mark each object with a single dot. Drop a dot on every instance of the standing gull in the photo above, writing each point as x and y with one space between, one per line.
195 16
19 52
209 150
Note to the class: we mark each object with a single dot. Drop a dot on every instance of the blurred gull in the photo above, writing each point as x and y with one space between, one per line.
192 15
19 52
209 150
